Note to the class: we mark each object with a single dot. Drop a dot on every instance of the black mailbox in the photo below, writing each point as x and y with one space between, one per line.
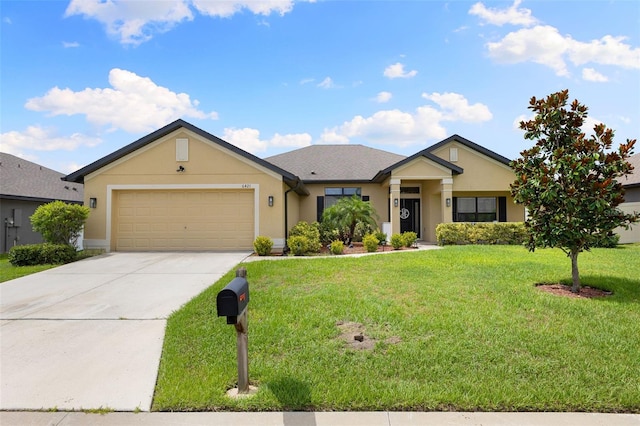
233 299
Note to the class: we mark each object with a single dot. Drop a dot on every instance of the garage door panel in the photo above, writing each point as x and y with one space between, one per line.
184 220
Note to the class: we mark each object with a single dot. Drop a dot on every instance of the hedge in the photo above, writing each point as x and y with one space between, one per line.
513 233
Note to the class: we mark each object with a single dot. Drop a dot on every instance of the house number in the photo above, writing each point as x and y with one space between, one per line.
246 185
404 213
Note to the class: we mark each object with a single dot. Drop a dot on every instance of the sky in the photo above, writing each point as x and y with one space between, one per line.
80 79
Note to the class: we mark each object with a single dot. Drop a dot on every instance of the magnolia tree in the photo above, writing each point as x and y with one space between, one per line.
568 181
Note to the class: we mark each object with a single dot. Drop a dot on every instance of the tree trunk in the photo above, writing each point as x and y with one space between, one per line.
575 275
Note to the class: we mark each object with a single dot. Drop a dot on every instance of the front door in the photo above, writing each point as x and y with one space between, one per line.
410 215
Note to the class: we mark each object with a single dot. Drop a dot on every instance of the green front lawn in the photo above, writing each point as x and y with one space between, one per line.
461 328
10 272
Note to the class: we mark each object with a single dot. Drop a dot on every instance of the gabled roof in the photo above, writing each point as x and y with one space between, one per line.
78 176
466 142
330 163
24 180
383 174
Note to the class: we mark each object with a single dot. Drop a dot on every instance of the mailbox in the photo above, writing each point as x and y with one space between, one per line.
233 299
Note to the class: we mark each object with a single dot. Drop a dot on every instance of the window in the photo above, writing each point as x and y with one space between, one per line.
409 189
332 195
474 209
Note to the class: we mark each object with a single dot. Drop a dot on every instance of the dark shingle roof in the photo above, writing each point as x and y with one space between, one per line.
323 163
22 179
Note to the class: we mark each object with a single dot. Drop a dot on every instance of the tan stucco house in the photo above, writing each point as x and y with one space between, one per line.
631 185
181 188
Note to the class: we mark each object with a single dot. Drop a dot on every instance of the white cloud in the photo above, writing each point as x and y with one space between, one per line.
327 83
545 45
404 128
455 107
36 138
249 140
520 118
135 22
72 44
225 9
589 74
135 104
541 44
383 97
608 50
307 81
7 20
512 15
397 71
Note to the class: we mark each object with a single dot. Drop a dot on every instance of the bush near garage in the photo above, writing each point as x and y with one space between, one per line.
263 245
41 254
311 233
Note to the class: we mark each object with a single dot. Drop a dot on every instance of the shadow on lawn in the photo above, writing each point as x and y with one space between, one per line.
624 290
294 395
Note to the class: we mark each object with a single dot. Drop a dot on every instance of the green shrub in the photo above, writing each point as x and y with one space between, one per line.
370 243
263 245
328 233
41 254
380 236
312 234
397 241
410 238
513 233
608 241
298 245
337 247
362 229
59 222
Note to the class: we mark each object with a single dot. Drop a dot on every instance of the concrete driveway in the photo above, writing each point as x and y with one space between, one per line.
89 334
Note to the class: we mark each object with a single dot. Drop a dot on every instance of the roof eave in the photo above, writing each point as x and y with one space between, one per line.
79 175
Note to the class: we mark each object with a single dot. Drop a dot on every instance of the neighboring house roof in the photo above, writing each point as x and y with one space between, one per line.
78 176
24 180
344 163
632 180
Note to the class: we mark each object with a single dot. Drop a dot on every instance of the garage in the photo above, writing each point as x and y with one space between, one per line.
169 220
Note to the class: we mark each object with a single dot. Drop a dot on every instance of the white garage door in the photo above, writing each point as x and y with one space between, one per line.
165 220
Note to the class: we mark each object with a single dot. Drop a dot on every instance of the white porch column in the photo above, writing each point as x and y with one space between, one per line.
394 200
446 200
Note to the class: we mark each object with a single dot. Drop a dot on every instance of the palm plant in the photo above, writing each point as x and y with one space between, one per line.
348 212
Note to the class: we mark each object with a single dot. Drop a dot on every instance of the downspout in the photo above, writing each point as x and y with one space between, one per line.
286 215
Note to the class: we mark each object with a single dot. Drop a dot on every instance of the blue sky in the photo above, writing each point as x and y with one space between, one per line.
80 79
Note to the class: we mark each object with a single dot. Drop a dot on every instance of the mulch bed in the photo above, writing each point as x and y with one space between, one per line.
586 292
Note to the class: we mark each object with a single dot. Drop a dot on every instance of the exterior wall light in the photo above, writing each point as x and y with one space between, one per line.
395 202
270 200
448 201
93 202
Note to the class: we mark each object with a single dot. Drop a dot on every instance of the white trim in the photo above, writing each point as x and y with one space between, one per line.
447 181
89 244
395 181
133 187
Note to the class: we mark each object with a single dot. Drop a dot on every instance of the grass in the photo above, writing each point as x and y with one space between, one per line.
10 272
462 328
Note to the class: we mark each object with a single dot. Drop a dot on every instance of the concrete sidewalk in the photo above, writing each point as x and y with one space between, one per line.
381 418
